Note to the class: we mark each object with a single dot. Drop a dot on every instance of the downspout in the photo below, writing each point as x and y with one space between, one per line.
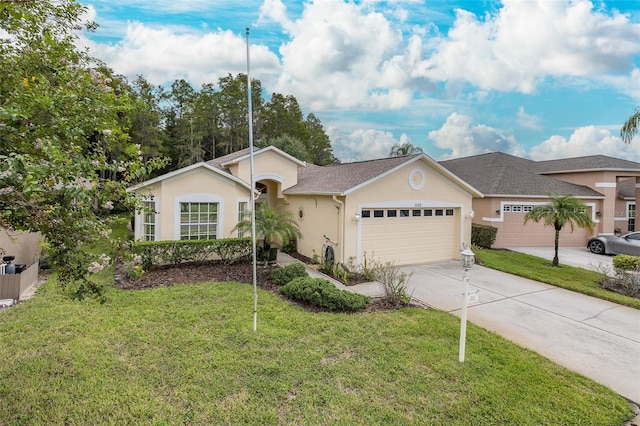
340 237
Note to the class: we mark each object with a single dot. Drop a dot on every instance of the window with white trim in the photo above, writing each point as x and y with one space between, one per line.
198 221
449 212
631 212
149 220
506 208
527 209
242 210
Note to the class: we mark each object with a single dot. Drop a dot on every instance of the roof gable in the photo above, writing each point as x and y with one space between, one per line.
177 173
342 179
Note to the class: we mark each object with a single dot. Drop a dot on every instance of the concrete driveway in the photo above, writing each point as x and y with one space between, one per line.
573 256
598 339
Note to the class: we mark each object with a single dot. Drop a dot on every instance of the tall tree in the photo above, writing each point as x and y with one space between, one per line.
562 210
234 112
63 123
282 116
318 143
630 127
183 133
146 118
405 148
291 146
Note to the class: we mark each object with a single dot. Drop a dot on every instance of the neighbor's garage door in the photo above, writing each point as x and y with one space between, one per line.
513 233
410 236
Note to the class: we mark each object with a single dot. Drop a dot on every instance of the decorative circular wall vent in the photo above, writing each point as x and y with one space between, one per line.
416 179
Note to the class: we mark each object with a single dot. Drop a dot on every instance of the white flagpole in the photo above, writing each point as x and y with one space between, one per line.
253 204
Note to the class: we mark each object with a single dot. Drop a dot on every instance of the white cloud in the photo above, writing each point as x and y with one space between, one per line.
344 55
589 140
163 55
463 138
528 121
362 144
526 42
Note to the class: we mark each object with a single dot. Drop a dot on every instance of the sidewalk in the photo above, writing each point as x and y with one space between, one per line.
596 338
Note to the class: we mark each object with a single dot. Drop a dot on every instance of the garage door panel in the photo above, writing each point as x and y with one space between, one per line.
512 233
409 239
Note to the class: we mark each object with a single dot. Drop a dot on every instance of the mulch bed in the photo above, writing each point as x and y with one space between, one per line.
216 271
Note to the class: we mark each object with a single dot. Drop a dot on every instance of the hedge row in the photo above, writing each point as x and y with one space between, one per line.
483 235
175 252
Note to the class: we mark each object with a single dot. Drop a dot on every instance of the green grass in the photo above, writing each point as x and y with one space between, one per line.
576 279
187 354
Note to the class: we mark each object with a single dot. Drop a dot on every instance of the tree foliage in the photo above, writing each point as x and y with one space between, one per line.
65 155
194 125
271 224
562 210
402 149
630 127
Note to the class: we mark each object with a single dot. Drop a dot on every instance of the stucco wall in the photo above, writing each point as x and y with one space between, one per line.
25 246
513 233
198 185
269 165
323 215
317 216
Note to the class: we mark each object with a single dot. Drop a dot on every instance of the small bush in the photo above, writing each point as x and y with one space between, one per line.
626 262
483 235
282 276
321 293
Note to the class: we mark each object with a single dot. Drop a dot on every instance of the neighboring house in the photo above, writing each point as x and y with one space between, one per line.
513 185
401 209
24 246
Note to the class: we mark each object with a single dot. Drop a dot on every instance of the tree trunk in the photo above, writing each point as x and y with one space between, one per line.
555 256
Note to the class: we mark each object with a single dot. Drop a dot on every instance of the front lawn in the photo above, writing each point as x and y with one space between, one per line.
187 354
536 268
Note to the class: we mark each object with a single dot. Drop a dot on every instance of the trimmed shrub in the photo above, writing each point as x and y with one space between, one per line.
483 235
175 252
281 276
323 294
626 262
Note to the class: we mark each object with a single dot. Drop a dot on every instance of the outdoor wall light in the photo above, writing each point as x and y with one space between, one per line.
597 213
497 211
356 217
471 214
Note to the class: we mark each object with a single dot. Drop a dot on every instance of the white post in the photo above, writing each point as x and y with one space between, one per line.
463 315
253 203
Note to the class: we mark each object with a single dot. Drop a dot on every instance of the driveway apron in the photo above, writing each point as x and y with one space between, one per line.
596 338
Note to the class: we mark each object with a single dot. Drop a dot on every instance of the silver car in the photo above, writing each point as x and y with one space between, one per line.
615 244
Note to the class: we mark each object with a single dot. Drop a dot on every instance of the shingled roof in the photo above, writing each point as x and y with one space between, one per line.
218 162
591 162
339 178
503 174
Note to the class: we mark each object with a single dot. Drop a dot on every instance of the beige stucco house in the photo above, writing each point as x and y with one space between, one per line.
401 209
513 185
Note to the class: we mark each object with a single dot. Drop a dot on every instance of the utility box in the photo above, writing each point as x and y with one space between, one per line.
12 286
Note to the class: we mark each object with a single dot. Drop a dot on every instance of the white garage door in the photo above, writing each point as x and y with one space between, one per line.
406 236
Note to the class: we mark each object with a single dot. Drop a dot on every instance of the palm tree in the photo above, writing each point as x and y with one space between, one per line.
561 210
270 224
630 127
402 149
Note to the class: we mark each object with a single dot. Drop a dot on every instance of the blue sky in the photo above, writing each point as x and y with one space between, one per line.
541 79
